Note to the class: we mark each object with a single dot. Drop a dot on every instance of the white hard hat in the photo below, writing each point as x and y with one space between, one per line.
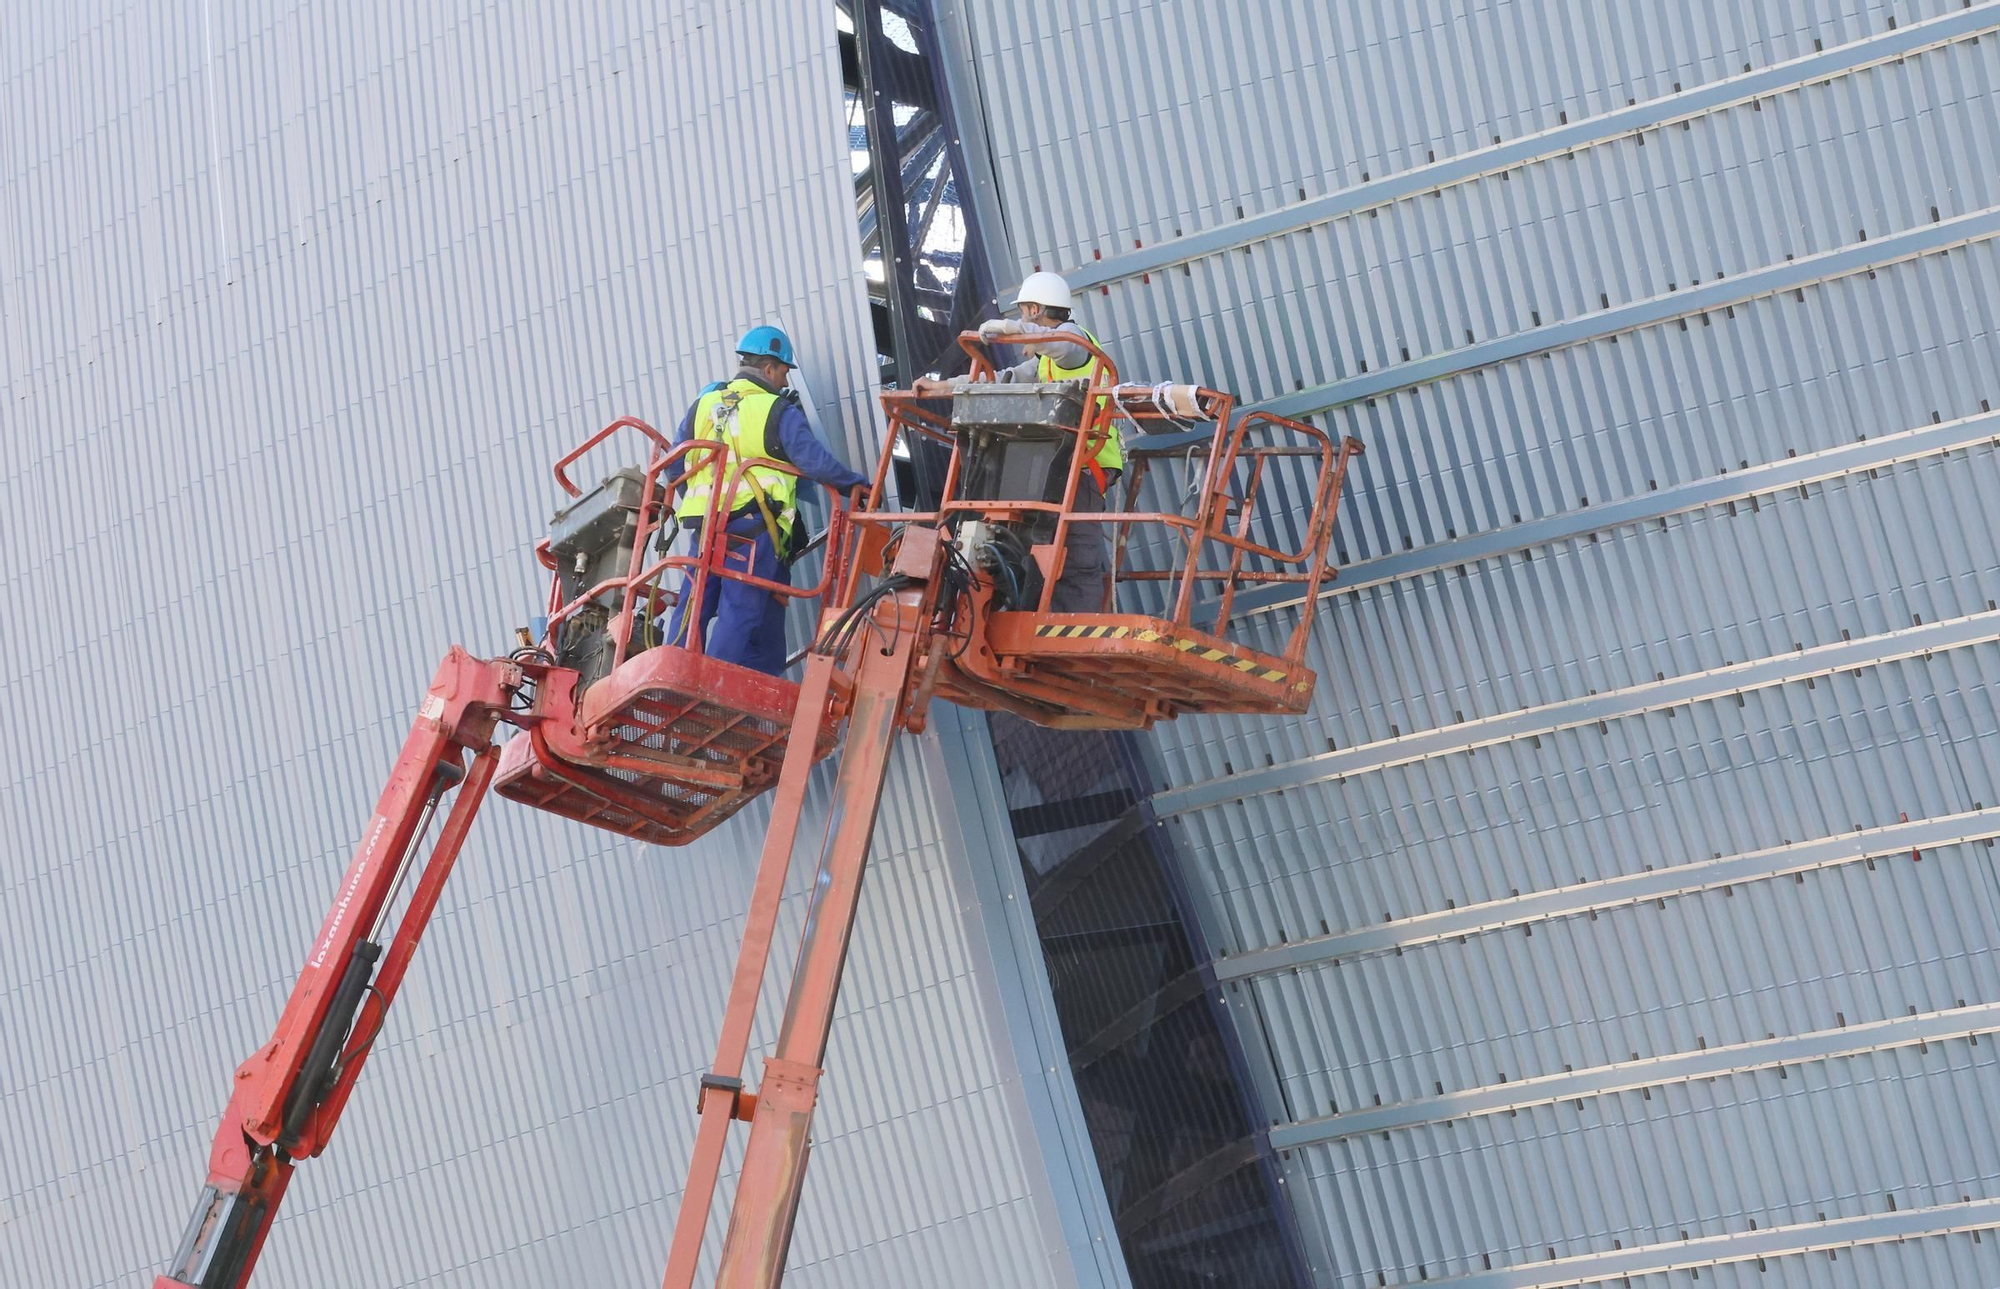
1046 289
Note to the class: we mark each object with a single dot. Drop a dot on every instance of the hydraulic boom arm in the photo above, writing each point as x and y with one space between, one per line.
289 1095
884 666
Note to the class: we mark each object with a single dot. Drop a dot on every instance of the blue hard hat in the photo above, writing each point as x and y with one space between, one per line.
767 342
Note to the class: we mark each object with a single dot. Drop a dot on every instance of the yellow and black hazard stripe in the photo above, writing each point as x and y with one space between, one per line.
1250 666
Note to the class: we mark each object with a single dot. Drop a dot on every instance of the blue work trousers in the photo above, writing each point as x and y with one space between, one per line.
740 623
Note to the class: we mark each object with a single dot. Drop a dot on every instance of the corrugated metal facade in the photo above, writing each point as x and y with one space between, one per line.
296 302
1625 907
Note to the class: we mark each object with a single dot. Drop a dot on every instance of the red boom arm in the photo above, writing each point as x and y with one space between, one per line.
289 1095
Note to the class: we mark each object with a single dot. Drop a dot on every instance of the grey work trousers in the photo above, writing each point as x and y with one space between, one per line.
1085 584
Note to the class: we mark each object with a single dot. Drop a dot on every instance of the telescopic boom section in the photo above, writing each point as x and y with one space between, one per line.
881 657
289 1095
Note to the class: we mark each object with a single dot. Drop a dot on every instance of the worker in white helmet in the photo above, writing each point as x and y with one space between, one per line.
1044 303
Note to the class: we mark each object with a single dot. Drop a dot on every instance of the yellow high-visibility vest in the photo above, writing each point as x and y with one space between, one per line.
739 415
1112 455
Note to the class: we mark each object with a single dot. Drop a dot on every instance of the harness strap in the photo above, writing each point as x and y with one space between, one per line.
764 509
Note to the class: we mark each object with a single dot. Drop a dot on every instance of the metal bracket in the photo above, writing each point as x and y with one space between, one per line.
734 1087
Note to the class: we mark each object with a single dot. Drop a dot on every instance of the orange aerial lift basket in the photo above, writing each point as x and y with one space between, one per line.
1016 459
664 742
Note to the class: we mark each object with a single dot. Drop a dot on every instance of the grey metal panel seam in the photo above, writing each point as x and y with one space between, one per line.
1773 1242
1718 293
1841 60
1648 1072
1260 1085
1014 985
1676 499
1655 884
1696 687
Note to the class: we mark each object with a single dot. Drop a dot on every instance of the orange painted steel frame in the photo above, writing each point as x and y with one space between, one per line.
708 560
291 1093
1104 401
882 662
888 696
288 1097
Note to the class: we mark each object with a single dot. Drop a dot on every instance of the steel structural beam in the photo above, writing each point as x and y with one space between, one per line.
885 157
1677 499
1718 293
1617 704
1616 892
980 191
1744 1246
1842 60
1649 1072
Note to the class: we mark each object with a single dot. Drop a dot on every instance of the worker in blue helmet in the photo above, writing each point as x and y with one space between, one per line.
757 416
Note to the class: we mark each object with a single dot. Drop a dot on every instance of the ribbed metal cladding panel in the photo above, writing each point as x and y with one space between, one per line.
1943 1260
1816 931
1560 238
1758 578
1593 421
1817 1144
296 303
1564 384
1179 116
1587 806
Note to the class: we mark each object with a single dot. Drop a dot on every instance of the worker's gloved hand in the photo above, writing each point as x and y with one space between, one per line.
994 328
